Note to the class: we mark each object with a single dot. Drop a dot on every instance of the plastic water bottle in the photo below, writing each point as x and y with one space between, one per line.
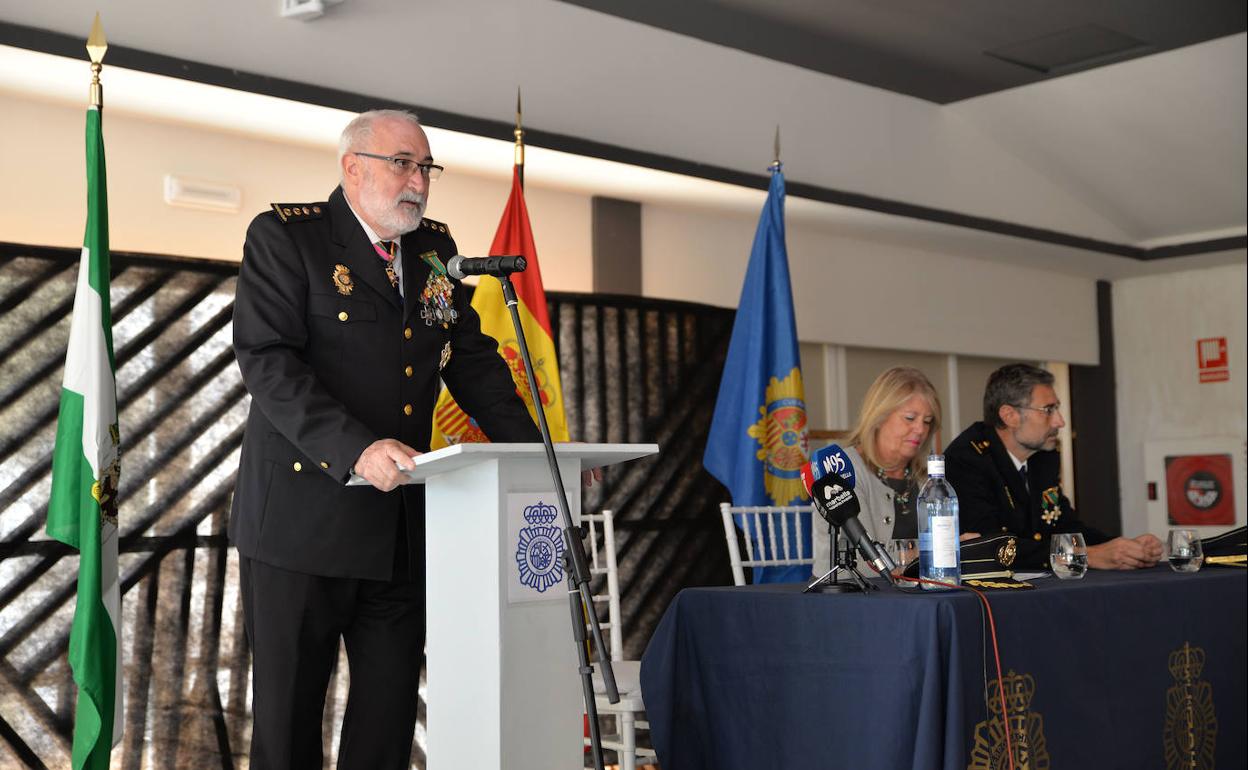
938 527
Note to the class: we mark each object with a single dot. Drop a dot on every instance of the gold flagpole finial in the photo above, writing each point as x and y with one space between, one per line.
775 164
519 133
96 46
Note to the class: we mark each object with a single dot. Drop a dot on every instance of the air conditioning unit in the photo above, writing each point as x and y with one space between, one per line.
205 196
305 10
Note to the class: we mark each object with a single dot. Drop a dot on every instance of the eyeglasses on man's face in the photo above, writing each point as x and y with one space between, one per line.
406 167
1049 410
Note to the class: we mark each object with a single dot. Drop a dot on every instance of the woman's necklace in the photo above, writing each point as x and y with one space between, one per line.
902 497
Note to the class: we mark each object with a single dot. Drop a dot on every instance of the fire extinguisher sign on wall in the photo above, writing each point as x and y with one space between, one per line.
1211 360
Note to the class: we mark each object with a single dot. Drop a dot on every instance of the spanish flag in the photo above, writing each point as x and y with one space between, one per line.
514 236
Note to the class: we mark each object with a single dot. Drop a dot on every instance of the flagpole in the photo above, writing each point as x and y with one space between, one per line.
576 565
96 48
776 165
86 471
519 133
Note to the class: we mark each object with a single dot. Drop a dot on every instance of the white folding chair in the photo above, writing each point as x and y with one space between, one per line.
778 540
629 713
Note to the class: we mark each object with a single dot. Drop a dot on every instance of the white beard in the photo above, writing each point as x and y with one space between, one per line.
391 215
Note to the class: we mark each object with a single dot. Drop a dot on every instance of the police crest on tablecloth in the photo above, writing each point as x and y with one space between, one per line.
1191 731
1026 728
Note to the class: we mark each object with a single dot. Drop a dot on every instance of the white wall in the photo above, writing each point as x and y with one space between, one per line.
848 290
43 195
852 291
1157 320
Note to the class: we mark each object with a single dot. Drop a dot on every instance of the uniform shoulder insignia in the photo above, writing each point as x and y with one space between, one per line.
435 226
980 446
298 212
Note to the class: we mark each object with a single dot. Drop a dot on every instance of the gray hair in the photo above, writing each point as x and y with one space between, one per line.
1011 385
360 129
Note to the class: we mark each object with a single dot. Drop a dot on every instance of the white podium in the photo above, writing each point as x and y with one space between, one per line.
503 689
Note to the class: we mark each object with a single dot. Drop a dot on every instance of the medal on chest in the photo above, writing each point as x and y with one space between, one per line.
342 280
1051 505
436 298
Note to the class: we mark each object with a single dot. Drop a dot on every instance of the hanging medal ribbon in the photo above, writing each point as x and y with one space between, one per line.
387 256
436 298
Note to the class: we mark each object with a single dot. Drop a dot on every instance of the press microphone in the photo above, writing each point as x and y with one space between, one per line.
834 498
838 503
460 266
808 478
832 459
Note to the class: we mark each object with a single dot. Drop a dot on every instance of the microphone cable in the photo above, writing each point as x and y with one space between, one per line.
996 651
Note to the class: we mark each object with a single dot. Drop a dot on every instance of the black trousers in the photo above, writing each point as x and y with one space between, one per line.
294 622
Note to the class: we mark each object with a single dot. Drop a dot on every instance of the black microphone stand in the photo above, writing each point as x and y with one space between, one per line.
844 562
574 562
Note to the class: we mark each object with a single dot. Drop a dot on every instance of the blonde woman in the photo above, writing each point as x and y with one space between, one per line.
889 448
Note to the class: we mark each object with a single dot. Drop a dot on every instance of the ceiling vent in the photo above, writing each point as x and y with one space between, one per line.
305 10
205 196
1070 50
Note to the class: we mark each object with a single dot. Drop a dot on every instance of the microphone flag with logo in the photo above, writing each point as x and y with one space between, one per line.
451 425
757 443
831 459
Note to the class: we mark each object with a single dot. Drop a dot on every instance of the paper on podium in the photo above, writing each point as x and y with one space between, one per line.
460 455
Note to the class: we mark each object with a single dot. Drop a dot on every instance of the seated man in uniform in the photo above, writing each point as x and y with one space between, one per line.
1007 475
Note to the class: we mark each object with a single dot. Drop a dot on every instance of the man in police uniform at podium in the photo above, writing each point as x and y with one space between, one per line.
1008 477
344 321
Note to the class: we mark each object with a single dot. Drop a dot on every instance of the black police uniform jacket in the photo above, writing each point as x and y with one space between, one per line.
993 498
334 361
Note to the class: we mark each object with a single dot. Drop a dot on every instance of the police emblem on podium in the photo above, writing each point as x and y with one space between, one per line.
1026 728
1191 731
539 551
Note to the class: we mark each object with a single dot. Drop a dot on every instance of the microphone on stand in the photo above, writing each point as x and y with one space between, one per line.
837 502
460 266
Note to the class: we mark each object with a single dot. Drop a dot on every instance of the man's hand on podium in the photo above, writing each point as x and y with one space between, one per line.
383 460
590 476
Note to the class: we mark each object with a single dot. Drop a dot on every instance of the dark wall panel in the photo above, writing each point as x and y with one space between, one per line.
1094 424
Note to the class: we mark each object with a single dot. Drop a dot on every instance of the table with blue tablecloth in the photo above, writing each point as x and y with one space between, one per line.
1129 670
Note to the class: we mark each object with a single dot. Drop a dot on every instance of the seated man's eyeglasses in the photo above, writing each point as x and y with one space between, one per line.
406 167
1049 410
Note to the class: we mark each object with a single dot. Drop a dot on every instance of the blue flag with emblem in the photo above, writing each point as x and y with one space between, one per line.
758 444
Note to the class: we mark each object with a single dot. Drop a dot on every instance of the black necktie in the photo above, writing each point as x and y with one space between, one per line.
1022 471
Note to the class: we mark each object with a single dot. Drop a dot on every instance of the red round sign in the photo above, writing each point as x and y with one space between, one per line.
1199 490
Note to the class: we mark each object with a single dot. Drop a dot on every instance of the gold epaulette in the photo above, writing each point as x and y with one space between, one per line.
435 226
1239 560
977 583
298 212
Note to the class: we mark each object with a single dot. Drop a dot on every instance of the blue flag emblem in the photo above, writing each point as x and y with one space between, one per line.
758 438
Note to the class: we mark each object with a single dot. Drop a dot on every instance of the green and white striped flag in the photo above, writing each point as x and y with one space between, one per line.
82 512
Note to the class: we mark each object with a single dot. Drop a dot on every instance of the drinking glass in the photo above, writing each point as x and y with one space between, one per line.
903 550
1183 546
1068 555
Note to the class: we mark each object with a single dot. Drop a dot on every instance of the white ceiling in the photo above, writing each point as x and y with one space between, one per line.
1146 152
